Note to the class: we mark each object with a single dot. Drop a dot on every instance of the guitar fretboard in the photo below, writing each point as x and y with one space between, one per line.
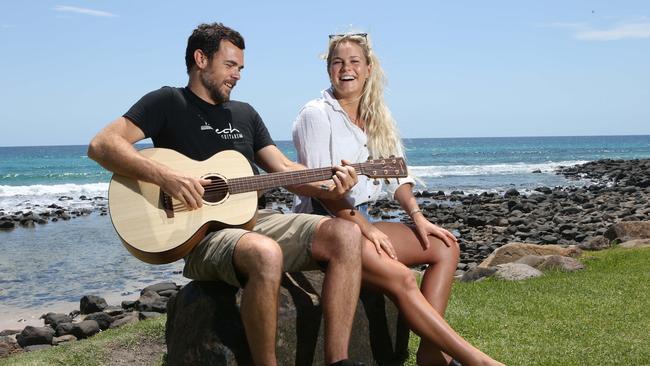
272 180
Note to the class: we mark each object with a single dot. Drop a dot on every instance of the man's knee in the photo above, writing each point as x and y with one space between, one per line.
258 256
345 239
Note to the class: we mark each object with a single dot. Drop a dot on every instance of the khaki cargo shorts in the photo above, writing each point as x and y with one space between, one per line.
212 258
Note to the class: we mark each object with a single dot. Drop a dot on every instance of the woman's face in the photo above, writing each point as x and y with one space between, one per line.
348 70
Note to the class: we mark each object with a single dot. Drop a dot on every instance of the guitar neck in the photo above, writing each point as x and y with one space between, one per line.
266 181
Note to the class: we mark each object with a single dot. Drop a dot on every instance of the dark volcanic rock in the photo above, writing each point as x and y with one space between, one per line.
35 335
204 326
91 304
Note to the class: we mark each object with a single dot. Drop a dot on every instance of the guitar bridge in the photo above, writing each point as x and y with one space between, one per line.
166 203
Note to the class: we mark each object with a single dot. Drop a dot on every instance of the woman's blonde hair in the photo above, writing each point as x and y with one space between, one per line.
383 136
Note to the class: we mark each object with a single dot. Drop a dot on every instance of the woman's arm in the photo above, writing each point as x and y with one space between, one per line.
424 228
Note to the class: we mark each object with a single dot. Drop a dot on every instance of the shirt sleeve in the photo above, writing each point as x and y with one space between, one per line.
148 113
312 137
262 137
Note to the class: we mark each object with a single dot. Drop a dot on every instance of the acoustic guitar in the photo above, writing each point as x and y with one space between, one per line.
157 228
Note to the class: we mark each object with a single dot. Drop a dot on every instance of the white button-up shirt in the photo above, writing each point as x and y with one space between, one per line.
324 135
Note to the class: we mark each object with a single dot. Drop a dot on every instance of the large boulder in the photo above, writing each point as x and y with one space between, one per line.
511 252
204 326
628 230
35 335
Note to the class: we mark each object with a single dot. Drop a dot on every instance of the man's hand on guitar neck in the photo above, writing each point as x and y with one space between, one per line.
186 189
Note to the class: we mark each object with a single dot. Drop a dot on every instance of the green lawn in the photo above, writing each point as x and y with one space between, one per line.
106 348
598 316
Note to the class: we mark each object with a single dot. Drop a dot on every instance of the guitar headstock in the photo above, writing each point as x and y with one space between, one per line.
393 167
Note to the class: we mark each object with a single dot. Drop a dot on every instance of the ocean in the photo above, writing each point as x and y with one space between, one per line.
51 266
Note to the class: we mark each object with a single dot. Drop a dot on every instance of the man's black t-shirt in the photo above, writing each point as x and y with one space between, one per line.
175 118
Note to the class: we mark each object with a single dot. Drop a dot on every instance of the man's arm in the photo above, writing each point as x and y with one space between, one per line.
271 159
113 149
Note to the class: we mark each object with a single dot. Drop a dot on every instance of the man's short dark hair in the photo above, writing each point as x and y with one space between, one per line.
207 37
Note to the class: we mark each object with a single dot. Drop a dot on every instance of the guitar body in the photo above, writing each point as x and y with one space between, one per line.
145 226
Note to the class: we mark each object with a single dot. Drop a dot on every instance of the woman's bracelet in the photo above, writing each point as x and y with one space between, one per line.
414 211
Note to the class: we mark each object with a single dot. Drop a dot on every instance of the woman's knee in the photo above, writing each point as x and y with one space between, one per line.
403 280
440 253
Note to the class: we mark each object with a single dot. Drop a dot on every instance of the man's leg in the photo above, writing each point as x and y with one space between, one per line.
259 260
338 242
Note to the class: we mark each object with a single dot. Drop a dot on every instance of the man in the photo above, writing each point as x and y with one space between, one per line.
200 120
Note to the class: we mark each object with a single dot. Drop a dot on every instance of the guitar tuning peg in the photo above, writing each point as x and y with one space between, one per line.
392 156
386 181
375 182
369 157
397 179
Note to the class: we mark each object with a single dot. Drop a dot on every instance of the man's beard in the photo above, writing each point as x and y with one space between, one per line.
213 89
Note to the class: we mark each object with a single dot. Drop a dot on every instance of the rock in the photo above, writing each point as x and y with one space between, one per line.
91 304
133 317
151 301
35 335
103 320
85 329
114 310
64 329
7 224
8 332
598 242
512 192
636 243
159 287
513 251
63 339
54 319
478 273
8 346
531 260
516 272
629 230
204 327
560 263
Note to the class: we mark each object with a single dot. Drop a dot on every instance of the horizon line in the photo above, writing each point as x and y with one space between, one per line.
403 138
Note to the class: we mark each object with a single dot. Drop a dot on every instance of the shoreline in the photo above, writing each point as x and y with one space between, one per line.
483 222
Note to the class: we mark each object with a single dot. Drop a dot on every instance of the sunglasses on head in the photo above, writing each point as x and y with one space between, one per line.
362 35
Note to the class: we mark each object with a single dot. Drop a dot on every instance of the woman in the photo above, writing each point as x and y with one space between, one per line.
350 121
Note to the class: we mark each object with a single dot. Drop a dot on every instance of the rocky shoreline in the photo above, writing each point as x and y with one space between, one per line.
572 215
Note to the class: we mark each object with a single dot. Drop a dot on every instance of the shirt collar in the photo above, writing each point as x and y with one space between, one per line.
328 97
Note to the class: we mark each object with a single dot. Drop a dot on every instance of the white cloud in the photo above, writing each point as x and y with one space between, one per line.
85 11
585 32
624 31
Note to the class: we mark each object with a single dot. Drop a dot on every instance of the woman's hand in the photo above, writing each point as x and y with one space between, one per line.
424 228
379 239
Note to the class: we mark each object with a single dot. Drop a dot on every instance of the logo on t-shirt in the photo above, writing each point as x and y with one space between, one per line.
229 133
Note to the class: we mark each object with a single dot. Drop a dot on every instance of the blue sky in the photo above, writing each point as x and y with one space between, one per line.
455 69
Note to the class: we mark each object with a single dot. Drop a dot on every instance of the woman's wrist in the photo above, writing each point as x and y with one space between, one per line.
415 211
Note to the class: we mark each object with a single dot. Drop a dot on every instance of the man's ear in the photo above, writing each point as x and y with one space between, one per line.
200 59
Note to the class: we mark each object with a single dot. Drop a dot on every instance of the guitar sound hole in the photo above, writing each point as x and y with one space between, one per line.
216 191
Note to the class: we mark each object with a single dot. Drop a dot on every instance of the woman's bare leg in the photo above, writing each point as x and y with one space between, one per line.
437 279
396 281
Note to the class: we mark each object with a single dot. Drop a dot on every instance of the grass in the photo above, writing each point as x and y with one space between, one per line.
598 316
100 349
